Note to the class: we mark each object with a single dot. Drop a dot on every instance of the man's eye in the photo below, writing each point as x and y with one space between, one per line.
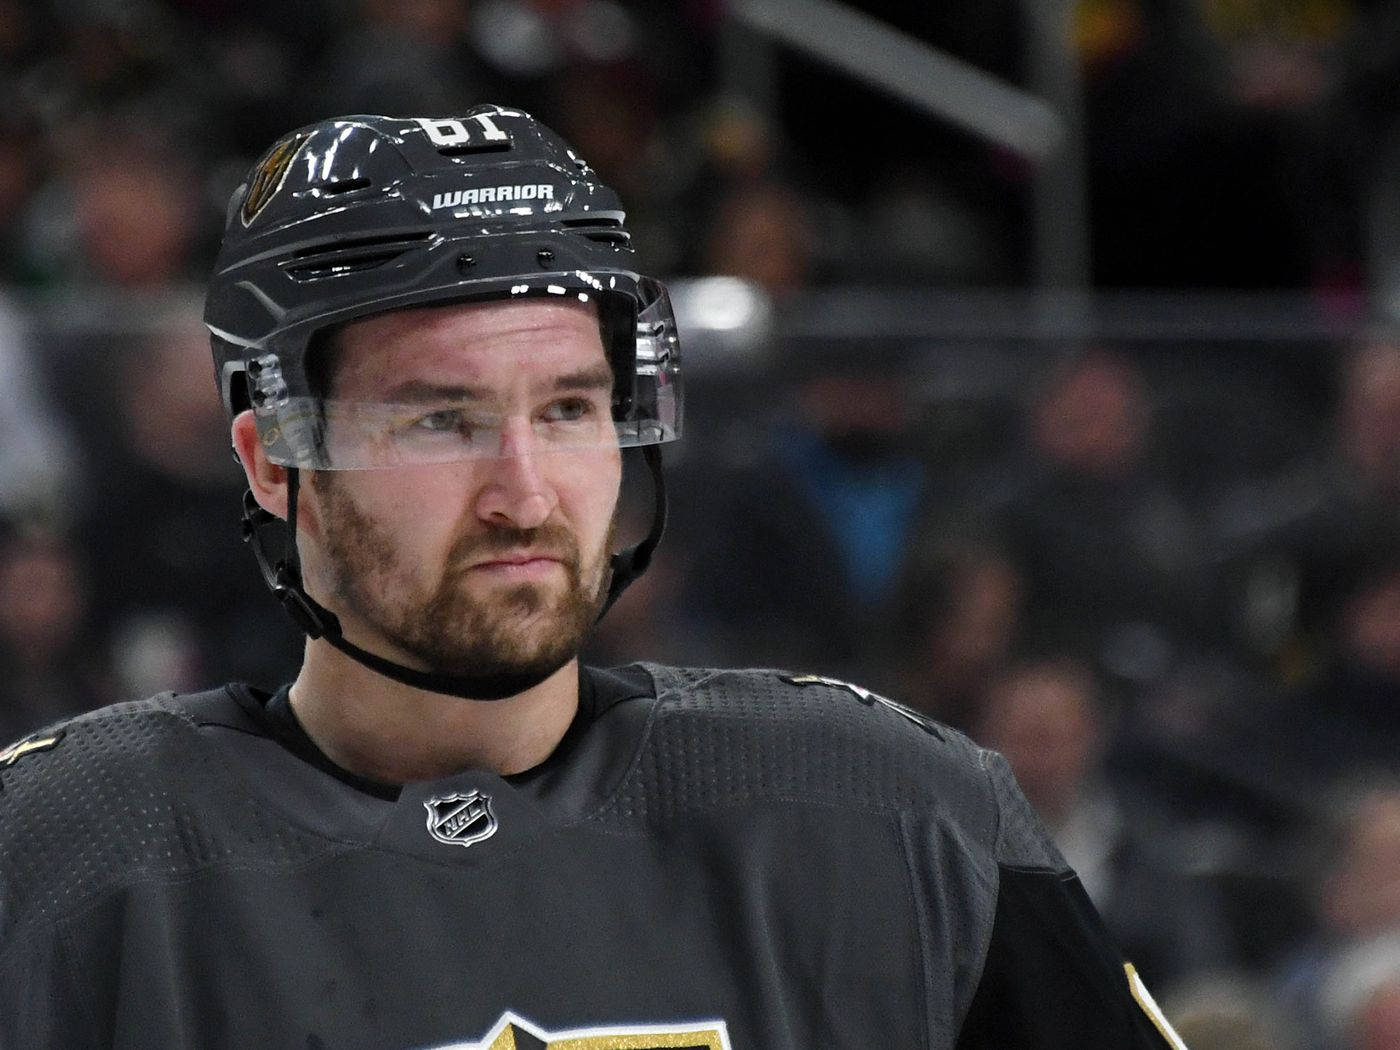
442 421
570 410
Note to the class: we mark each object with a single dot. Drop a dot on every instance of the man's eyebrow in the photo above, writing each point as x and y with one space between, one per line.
421 391
597 378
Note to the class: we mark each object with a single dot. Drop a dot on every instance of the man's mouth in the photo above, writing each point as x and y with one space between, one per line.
520 564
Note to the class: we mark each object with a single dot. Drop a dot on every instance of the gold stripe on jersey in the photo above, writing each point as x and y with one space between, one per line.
15 752
1149 1006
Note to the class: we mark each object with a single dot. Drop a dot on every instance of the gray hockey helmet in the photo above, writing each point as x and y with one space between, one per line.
363 214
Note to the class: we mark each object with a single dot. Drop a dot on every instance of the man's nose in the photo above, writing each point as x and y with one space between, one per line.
515 491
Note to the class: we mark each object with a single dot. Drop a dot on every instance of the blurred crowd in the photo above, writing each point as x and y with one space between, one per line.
1161 575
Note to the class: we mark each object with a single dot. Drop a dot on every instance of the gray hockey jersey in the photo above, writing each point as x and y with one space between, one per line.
715 859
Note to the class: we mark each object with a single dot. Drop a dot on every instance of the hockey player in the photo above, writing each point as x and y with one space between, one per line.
436 350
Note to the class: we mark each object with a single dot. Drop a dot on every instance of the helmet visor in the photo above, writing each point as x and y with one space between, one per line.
641 406
349 435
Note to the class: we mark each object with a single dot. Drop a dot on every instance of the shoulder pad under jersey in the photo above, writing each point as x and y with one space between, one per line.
120 794
730 736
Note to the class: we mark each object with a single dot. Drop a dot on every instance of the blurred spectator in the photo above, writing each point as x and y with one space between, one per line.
1285 66
1043 716
652 620
1048 718
175 589
1291 540
124 210
1361 997
21 31
401 58
1228 1011
762 232
123 60
735 146
814 530
1361 895
961 609
49 665
1368 102
614 113
739 144
1330 979
136 221
1221 116
36 455
1330 528
22 168
1112 553
1374 1023
1368 422
1347 719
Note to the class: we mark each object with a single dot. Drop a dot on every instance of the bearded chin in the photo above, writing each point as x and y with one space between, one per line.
528 629
524 629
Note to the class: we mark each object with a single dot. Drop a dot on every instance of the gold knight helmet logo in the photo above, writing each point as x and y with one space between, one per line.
267 178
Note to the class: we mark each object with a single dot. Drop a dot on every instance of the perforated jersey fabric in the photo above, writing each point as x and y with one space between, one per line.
727 738
736 858
112 805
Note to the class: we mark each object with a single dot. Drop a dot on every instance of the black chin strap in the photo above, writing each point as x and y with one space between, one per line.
631 562
283 578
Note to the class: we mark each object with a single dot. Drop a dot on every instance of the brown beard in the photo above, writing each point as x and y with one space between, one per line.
528 628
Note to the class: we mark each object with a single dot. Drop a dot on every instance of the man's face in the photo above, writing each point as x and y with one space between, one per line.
481 565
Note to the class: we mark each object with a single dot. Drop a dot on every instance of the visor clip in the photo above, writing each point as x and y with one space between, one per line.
282 578
309 616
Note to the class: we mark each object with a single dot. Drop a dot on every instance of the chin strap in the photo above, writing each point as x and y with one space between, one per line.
631 562
283 578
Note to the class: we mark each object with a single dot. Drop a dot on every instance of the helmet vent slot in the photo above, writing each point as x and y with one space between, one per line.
608 236
466 148
602 229
331 189
592 220
352 256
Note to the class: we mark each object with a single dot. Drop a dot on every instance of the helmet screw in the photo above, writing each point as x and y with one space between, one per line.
465 263
545 256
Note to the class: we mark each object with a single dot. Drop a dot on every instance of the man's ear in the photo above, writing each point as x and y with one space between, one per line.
267 480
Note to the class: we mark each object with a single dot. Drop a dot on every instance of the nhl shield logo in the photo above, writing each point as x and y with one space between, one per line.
461 819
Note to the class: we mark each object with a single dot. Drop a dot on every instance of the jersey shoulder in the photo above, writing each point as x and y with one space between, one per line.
93 747
115 796
742 735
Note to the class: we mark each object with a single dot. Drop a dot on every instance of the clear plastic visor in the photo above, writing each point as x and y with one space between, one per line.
349 435
602 411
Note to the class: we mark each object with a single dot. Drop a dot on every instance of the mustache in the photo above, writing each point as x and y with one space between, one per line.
551 539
